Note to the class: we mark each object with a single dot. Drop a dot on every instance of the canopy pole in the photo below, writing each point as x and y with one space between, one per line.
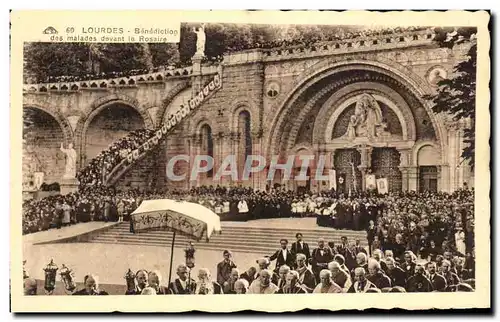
171 260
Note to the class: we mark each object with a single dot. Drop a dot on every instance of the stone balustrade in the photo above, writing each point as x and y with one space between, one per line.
348 45
334 47
126 81
160 134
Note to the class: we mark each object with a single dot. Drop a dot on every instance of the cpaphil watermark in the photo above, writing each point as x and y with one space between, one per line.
296 167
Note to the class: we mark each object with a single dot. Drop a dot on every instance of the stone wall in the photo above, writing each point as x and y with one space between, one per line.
253 81
148 173
112 124
42 147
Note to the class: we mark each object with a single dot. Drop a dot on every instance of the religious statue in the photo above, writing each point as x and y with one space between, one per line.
367 120
70 170
200 40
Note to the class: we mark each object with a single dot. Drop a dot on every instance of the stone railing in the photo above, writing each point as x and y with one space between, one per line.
208 90
125 81
341 46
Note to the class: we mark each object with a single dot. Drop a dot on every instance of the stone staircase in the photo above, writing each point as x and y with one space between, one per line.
161 133
237 237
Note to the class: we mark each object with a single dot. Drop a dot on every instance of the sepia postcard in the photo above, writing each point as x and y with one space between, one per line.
260 158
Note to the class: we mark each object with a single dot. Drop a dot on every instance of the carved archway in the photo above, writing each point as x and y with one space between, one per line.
59 118
176 90
395 72
97 107
332 110
329 111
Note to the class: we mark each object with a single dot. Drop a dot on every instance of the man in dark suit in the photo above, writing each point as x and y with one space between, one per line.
182 285
450 277
225 267
437 280
358 248
300 247
283 256
348 254
321 256
395 273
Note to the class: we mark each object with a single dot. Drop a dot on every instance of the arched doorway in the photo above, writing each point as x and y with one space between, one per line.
207 148
110 124
428 158
42 139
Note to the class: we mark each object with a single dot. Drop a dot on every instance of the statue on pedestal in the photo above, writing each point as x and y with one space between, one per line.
200 40
70 170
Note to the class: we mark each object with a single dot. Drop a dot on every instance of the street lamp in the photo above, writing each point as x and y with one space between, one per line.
190 262
67 278
50 277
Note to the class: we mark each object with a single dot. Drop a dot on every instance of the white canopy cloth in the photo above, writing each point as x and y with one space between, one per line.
186 218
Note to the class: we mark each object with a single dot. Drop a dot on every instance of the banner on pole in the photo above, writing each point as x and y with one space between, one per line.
38 178
382 186
371 183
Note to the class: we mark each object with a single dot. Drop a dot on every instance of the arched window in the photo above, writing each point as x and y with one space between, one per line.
245 143
207 144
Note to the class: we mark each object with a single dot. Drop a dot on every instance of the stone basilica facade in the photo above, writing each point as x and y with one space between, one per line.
359 103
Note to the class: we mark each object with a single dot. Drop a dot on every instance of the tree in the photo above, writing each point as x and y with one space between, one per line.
54 59
164 54
456 95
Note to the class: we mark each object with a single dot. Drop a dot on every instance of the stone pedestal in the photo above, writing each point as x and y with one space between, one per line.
68 186
196 81
28 194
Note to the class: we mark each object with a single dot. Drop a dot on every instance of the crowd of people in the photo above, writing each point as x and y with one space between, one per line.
420 222
415 219
88 204
104 162
328 268
309 41
113 74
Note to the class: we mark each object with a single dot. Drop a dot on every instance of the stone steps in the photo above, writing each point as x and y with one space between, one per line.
260 240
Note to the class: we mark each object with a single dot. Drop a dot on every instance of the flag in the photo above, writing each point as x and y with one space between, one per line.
340 182
332 179
370 182
382 186
38 178
354 183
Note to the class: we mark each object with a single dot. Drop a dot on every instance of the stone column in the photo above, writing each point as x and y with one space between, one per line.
366 163
404 166
196 77
444 179
453 154
413 178
197 140
329 165
258 179
218 155
439 188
